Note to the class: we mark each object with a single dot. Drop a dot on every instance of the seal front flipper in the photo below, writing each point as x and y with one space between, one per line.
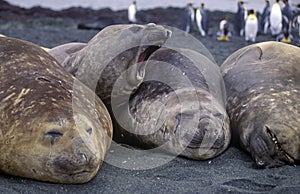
266 151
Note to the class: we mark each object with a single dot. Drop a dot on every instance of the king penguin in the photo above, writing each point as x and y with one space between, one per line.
240 16
276 19
288 16
132 12
224 32
251 26
202 20
265 18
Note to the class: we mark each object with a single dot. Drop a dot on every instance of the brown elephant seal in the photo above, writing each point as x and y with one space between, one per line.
179 107
263 89
52 127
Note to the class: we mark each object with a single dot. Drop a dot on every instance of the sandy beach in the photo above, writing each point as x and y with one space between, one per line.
232 172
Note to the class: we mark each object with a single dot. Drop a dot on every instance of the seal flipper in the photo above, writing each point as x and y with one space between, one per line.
266 150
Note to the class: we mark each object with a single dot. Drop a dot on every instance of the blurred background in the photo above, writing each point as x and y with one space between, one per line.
223 5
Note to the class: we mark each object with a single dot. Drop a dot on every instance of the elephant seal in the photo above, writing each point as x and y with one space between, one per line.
52 127
118 57
179 107
110 53
263 88
113 51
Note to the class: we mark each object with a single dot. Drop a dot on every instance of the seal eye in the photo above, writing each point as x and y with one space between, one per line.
135 29
43 79
54 135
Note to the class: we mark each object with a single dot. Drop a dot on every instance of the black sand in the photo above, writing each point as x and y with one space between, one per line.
232 172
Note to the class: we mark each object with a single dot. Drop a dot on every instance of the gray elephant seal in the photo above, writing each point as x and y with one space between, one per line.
52 127
180 106
63 54
118 57
110 53
115 50
263 89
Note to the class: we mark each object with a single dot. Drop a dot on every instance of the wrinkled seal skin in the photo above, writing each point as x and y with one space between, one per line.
263 88
186 118
115 50
52 127
110 53
62 54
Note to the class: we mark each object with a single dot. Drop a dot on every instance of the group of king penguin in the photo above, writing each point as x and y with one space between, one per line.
279 20
276 18
200 16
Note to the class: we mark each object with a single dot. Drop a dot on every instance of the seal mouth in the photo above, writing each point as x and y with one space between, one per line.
146 52
278 147
78 177
81 173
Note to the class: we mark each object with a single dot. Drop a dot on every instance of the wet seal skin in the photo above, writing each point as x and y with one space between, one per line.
263 88
52 127
179 107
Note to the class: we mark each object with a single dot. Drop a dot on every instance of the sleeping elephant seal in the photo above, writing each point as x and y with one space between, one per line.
263 88
117 58
49 130
179 107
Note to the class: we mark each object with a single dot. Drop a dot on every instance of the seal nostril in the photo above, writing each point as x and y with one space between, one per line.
54 135
89 130
169 33
83 156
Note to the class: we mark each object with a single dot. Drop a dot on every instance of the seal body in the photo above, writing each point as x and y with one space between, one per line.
263 87
64 53
52 127
177 108
112 52
117 50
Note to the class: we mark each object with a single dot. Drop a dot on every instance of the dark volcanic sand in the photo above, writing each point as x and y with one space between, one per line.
232 172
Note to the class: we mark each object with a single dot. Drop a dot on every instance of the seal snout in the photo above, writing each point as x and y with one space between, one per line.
206 135
267 151
82 161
